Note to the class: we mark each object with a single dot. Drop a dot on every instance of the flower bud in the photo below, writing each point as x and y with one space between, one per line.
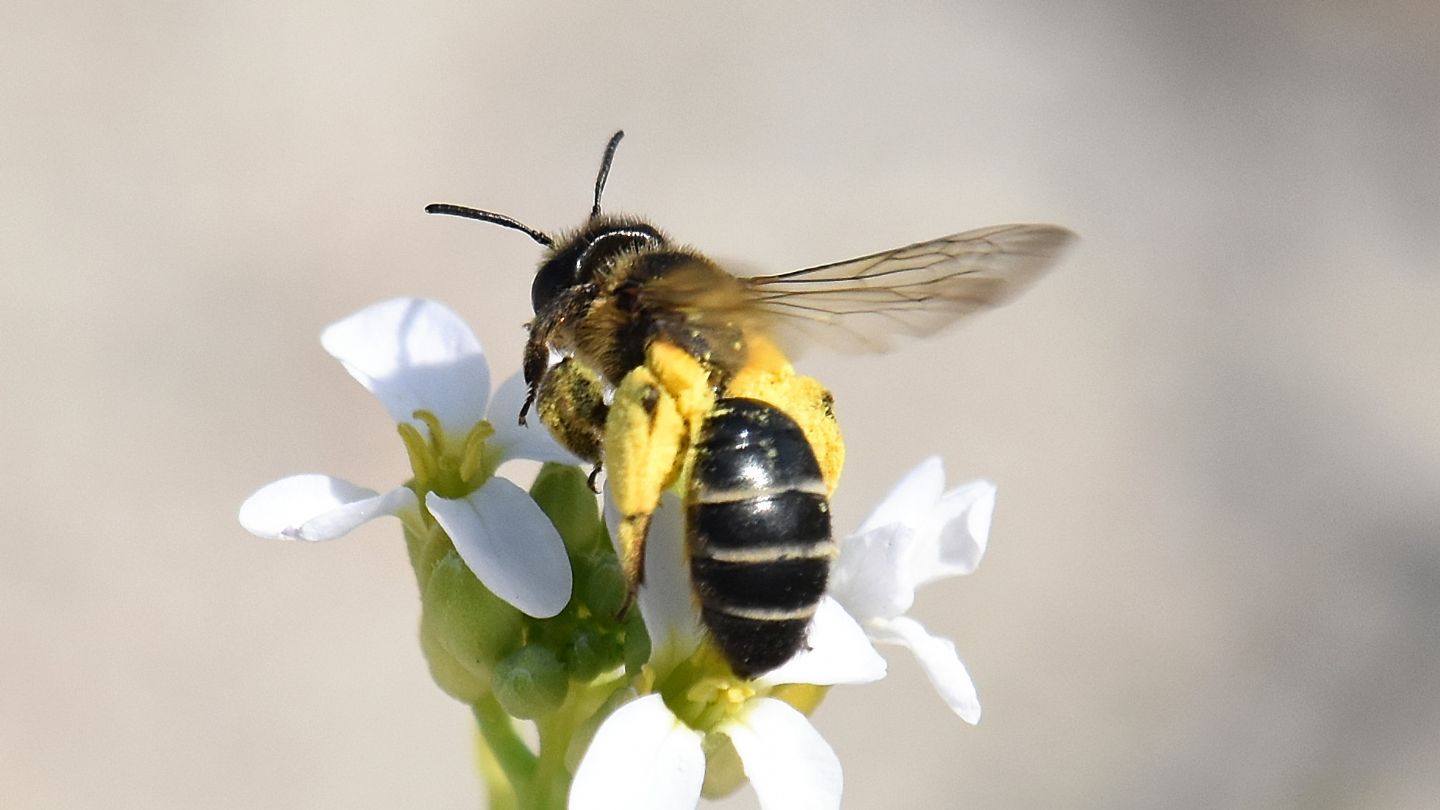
530 682
464 629
637 642
603 590
591 653
564 495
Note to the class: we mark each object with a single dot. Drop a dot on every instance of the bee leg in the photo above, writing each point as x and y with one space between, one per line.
535 366
645 436
590 479
624 612
571 399
807 402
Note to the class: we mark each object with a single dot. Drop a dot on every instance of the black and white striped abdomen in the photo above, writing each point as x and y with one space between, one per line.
758 530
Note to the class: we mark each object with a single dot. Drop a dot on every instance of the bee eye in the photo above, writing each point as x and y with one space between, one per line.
555 277
582 258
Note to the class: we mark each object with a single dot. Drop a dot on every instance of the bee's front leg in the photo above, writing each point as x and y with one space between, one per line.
534 365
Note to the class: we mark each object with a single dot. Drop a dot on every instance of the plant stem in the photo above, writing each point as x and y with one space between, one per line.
513 758
500 792
552 778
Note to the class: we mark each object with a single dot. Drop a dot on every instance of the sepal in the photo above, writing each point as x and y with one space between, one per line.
464 629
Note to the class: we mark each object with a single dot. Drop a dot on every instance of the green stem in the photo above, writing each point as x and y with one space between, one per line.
552 778
501 792
513 757
519 779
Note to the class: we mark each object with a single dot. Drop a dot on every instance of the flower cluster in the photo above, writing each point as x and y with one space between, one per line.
522 597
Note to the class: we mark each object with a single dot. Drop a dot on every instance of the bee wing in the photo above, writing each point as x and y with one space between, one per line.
917 290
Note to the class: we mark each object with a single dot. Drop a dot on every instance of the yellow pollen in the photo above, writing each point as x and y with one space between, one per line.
713 699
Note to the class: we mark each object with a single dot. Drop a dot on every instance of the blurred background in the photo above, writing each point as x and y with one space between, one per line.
1213 578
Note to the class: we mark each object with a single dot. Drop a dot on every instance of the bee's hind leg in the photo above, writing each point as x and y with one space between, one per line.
645 439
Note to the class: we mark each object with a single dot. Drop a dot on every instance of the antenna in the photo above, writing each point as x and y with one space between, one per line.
499 219
605 169
510 222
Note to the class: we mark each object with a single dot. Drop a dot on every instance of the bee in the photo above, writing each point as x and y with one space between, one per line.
649 358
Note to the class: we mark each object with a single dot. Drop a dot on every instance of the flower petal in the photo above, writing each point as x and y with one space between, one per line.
873 576
838 652
955 535
514 440
641 758
911 498
509 544
316 507
938 658
788 762
414 355
665 601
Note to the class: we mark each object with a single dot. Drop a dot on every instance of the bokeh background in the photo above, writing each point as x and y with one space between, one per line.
1214 577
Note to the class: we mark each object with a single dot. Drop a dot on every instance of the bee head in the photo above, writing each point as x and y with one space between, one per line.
580 259
575 260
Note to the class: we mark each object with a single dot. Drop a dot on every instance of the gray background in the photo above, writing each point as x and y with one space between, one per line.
1214 578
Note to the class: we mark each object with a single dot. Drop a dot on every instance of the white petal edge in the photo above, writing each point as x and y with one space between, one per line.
956 533
938 658
788 763
873 576
665 602
510 545
642 758
911 498
838 652
513 440
317 507
414 354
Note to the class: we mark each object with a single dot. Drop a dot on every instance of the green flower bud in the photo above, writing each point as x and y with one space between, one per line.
427 546
603 590
530 682
564 495
465 684
464 629
637 642
591 653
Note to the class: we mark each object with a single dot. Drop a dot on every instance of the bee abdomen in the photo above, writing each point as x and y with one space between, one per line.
758 531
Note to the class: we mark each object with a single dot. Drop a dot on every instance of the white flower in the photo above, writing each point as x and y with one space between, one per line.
919 533
646 757
427 369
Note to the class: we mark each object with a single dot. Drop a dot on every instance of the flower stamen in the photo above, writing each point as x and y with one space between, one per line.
473 455
422 457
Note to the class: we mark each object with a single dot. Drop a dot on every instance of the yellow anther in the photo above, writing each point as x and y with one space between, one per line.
738 693
422 457
437 433
472 457
704 690
710 700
